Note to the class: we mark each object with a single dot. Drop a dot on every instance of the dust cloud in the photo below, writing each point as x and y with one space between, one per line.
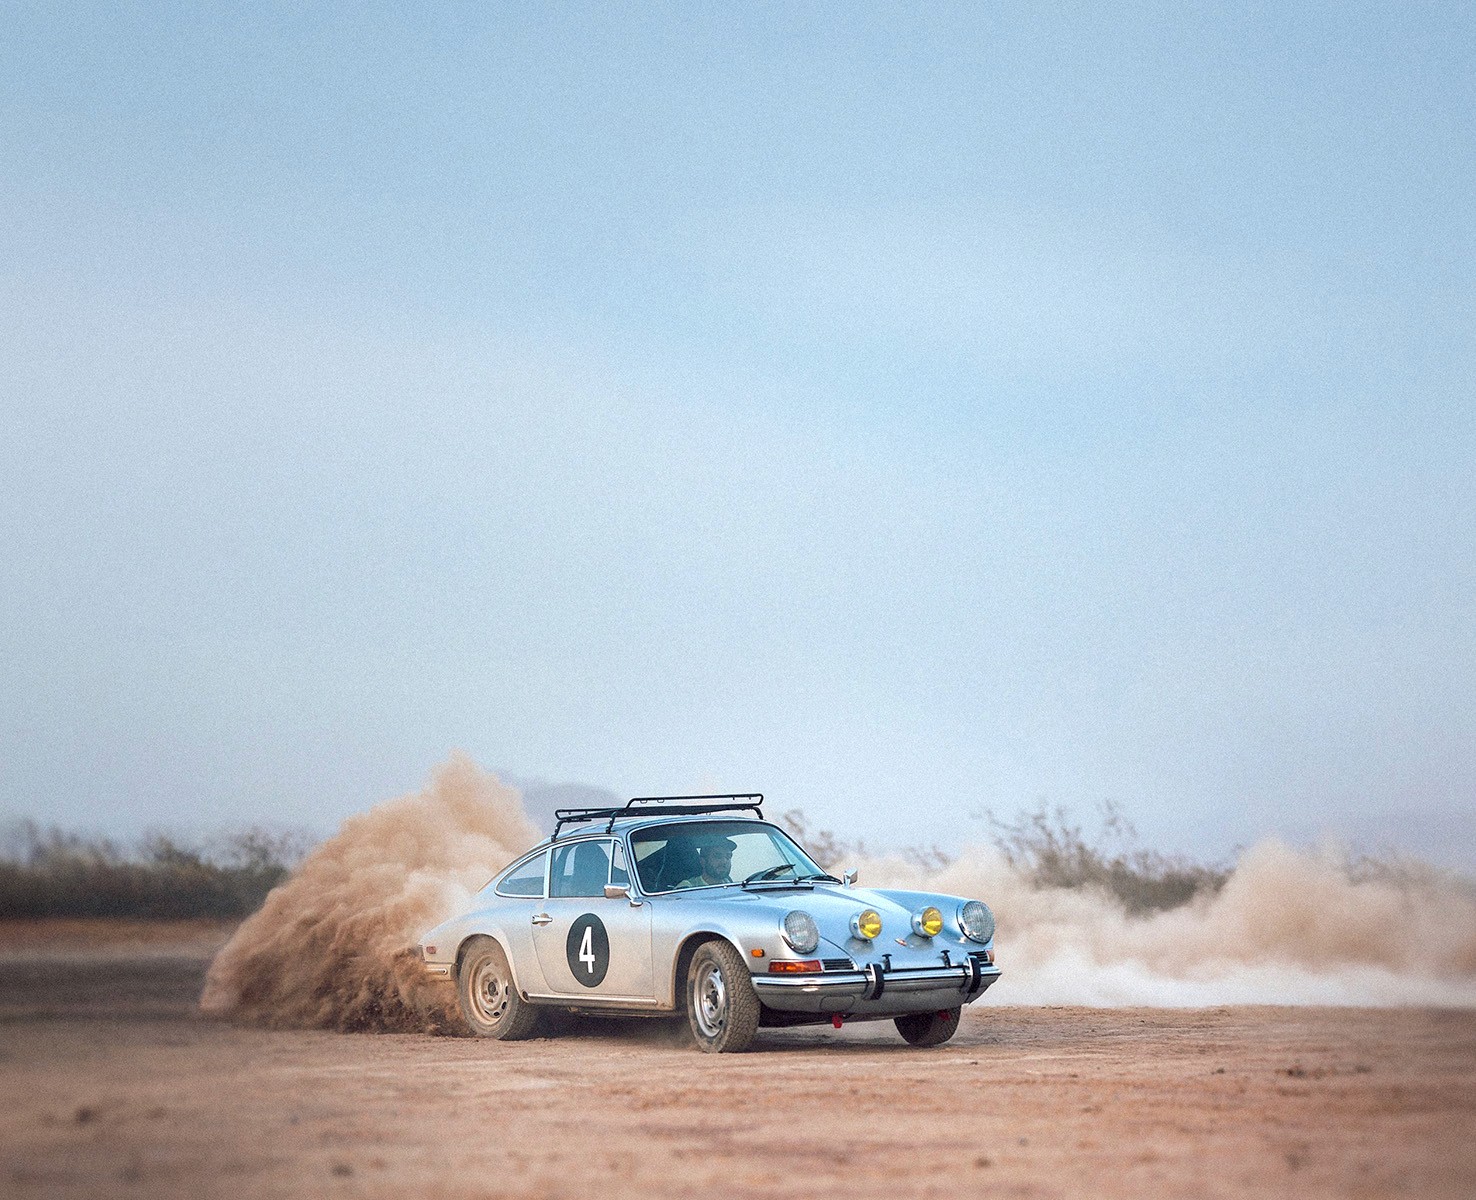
334 946
1288 927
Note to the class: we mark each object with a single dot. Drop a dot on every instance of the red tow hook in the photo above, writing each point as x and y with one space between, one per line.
835 1019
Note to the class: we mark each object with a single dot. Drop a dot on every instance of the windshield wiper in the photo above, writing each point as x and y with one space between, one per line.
813 878
768 873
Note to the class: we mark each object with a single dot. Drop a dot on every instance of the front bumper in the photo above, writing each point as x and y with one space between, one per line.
876 991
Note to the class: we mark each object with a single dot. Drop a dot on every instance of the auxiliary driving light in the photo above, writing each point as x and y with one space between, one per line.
928 922
867 925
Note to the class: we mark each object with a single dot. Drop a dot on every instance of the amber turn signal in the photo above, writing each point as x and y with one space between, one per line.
807 966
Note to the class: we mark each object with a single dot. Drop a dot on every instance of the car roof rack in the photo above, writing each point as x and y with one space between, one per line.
676 805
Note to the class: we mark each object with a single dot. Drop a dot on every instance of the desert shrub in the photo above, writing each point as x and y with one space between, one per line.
832 852
1052 852
1405 873
821 844
53 873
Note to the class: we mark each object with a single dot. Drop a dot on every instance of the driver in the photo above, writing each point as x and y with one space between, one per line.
715 856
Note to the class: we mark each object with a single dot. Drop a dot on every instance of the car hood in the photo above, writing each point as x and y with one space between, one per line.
833 906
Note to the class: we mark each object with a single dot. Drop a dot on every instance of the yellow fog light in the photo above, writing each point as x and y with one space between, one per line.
929 922
867 924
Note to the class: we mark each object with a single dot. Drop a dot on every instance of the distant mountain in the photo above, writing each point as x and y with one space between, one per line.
541 798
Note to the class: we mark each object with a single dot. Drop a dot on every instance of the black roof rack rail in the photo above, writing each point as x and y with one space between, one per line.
678 805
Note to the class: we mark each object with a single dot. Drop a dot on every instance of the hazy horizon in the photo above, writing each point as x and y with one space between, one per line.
1108 828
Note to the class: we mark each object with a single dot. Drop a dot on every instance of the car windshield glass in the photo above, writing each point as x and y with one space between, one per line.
697 854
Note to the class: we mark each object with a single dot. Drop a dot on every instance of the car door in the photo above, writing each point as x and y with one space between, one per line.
589 946
519 894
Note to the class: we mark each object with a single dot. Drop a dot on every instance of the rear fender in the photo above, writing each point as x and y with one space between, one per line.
525 976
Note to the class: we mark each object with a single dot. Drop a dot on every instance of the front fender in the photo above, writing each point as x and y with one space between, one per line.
676 927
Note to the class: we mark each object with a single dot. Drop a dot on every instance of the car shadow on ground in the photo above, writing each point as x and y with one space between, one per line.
672 1033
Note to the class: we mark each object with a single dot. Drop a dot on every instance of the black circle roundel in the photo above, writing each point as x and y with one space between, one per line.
588 950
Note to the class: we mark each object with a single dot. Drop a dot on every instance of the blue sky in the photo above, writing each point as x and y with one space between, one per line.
903 411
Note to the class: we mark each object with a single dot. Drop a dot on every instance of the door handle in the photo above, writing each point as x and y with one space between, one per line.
541 919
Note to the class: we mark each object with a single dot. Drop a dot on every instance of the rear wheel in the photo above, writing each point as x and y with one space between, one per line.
489 997
929 1028
722 1007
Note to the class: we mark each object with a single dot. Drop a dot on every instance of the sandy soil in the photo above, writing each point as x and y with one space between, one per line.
114 1086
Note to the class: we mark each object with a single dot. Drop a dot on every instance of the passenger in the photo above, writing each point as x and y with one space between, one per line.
715 855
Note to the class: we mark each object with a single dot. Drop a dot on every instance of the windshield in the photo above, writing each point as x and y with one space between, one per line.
697 854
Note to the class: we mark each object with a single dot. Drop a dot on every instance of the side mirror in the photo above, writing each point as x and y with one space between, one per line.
620 891
849 877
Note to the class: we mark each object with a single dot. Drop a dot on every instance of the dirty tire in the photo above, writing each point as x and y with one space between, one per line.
722 1007
929 1028
489 998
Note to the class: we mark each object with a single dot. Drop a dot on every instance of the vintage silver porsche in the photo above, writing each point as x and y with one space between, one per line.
696 904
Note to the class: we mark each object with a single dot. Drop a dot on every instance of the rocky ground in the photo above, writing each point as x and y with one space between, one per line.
114 1086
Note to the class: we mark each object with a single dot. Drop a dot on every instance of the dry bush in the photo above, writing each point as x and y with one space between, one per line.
832 852
821 844
52 873
1052 852
1046 849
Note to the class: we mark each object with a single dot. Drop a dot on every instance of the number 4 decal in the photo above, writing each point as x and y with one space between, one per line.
588 950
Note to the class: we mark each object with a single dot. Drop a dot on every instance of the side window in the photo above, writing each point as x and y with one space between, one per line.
580 869
618 874
526 880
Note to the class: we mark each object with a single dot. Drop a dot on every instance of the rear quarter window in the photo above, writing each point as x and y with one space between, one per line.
526 879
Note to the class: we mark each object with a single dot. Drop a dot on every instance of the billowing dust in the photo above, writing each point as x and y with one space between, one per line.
1289 927
333 947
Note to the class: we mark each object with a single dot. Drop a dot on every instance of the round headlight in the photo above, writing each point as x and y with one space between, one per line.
977 922
801 932
928 922
867 924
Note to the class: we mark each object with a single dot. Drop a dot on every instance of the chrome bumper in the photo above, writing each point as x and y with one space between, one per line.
874 990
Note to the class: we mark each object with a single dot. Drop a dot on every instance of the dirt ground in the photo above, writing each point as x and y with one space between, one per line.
113 1086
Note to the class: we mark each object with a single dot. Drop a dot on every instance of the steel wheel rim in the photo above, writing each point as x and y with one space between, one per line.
711 1001
489 993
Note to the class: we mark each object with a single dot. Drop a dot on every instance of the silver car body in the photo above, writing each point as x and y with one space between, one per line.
553 942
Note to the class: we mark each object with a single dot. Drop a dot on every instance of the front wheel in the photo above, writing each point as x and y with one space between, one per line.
929 1028
722 1007
489 997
